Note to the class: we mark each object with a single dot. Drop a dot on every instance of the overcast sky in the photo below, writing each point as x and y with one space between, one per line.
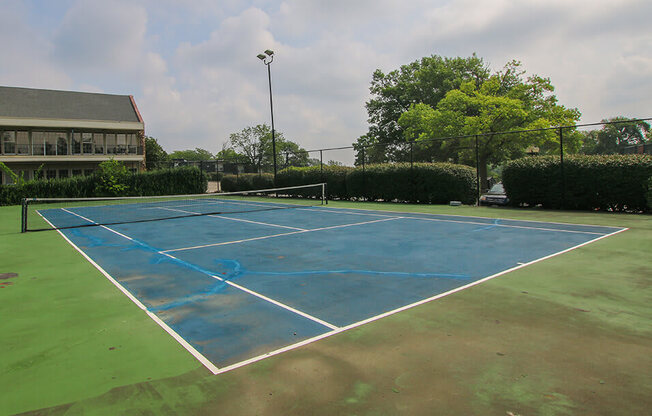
192 66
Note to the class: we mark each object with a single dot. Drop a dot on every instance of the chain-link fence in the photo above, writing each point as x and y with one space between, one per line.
486 152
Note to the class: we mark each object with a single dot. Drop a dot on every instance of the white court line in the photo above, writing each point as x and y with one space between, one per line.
278 235
205 361
236 219
216 370
332 210
242 288
403 308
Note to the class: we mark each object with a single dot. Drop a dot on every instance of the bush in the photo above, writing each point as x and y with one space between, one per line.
335 178
429 183
247 182
606 182
186 180
111 178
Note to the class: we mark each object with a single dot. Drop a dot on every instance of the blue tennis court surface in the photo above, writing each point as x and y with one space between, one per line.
236 288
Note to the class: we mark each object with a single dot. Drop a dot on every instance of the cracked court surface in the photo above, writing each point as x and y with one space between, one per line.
233 289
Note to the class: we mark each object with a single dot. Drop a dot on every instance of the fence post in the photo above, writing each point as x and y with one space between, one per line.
414 184
321 165
364 178
561 167
477 172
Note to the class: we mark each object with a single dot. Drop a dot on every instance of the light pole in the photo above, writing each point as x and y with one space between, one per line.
267 59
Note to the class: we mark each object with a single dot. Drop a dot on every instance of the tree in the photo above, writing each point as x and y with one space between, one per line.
423 81
614 138
154 154
192 155
503 103
228 154
255 146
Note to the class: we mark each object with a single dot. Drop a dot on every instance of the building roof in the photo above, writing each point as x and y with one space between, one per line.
66 105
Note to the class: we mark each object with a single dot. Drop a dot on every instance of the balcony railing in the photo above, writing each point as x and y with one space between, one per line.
49 149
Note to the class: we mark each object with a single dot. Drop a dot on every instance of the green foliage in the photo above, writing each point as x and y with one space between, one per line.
191 155
613 182
14 177
177 181
254 146
613 138
426 183
431 183
112 177
504 102
247 182
334 176
155 156
186 180
423 81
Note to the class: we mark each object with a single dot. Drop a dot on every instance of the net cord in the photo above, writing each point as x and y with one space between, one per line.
117 198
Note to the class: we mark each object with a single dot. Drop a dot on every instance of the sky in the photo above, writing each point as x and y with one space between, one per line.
192 68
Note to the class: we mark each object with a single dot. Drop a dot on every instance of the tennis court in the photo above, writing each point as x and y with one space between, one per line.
237 287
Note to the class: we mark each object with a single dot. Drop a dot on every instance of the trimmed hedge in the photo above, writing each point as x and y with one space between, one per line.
426 183
185 180
431 183
247 182
607 182
335 178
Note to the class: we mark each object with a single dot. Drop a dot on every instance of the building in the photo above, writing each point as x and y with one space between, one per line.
58 134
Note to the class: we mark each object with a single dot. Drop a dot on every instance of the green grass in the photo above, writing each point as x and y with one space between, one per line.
568 335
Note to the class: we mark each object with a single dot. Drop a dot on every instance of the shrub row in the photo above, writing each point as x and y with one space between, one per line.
247 182
435 183
186 180
607 182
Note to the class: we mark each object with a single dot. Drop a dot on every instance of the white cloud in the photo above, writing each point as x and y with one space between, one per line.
26 52
101 35
192 64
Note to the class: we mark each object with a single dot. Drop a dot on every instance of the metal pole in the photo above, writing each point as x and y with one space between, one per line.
561 167
271 108
477 172
321 165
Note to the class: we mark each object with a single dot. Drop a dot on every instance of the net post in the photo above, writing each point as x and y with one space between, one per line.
324 193
23 216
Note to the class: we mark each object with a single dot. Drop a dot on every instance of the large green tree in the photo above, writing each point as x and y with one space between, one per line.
423 81
155 156
192 155
254 143
506 102
616 136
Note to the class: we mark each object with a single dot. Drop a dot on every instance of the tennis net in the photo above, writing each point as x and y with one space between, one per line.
40 214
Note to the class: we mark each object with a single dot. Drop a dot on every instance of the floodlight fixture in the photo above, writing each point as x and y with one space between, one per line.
267 59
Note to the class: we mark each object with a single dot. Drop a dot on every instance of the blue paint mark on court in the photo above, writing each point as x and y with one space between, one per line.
344 269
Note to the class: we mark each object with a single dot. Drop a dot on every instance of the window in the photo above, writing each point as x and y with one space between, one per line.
38 174
22 142
50 173
76 172
63 173
62 144
87 143
98 143
38 143
88 172
110 143
132 144
9 142
76 143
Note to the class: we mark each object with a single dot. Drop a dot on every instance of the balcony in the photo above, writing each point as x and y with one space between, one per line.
48 149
